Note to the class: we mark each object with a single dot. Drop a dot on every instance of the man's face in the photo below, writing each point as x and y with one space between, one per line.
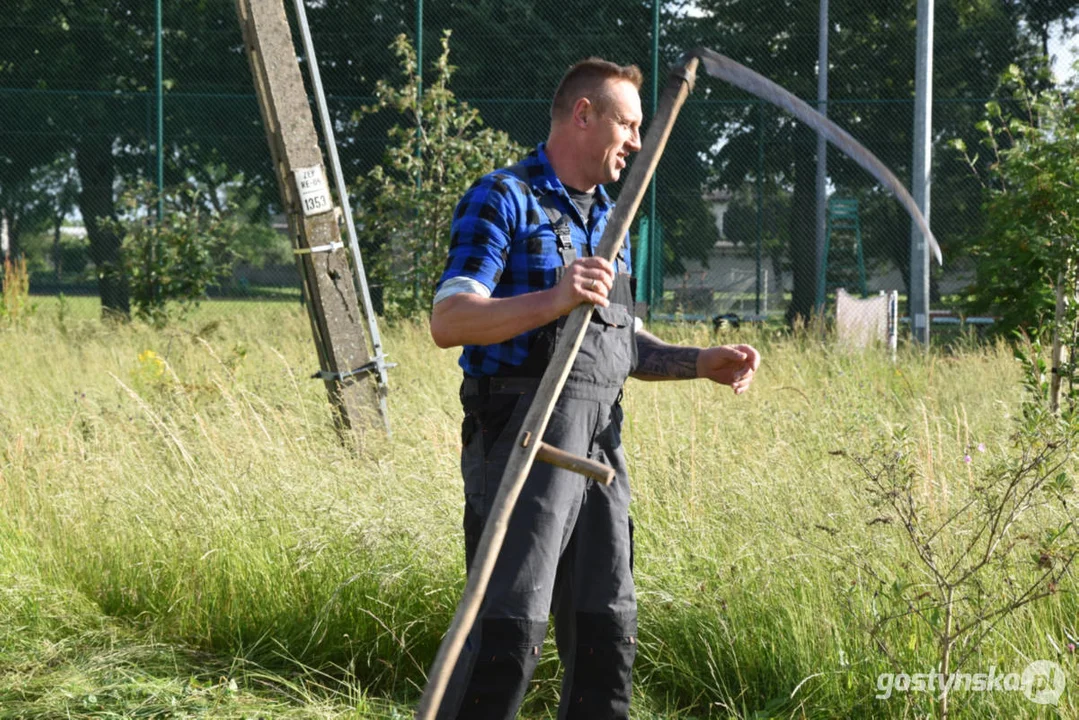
614 131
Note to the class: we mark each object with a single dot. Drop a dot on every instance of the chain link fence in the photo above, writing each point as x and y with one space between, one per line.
729 231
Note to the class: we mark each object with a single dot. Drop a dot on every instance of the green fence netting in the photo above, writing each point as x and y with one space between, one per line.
735 191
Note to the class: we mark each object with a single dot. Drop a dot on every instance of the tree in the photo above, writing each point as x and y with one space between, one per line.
871 56
173 261
56 190
102 48
84 71
1041 14
19 158
1028 250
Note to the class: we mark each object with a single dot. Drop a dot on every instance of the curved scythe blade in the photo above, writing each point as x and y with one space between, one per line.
722 67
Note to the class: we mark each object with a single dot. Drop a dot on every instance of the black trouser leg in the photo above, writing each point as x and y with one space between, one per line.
567 542
502 667
595 604
503 649
599 666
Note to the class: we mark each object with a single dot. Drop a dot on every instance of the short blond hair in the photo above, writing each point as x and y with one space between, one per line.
586 79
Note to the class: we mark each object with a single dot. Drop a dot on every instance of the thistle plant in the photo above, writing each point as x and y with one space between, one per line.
983 549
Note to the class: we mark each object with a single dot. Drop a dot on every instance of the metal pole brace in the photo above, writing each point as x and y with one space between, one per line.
319 248
373 365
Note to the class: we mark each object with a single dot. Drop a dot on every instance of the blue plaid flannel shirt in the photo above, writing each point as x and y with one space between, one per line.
502 238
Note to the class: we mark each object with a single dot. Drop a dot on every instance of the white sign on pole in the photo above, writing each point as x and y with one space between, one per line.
313 189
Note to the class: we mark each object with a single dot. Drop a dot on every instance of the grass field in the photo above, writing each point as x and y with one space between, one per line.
182 534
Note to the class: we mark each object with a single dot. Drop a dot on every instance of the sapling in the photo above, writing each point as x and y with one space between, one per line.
1006 536
407 202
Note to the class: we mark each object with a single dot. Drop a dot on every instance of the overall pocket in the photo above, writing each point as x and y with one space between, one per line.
608 352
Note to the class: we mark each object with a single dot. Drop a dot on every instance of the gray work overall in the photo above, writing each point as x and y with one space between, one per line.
568 549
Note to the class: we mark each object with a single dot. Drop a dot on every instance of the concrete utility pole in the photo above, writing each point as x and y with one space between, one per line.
330 143
336 320
923 126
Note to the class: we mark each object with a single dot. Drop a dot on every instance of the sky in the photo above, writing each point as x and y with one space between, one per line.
1063 50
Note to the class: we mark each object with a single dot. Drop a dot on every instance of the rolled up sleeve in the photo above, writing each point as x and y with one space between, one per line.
480 237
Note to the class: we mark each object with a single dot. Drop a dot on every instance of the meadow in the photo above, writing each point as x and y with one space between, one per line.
183 535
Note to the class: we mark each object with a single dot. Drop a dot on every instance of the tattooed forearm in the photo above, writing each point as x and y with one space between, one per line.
656 360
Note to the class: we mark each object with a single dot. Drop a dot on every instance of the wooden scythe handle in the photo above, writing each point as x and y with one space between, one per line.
679 85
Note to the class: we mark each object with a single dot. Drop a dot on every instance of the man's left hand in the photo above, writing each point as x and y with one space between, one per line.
732 365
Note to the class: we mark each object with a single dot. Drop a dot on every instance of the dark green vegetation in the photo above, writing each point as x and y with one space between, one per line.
76 108
1028 251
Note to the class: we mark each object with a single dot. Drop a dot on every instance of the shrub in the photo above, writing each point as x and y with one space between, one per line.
172 262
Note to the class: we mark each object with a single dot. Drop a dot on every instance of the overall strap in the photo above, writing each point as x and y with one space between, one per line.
557 218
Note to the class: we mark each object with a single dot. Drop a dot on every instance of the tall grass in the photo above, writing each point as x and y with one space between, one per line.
14 290
178 520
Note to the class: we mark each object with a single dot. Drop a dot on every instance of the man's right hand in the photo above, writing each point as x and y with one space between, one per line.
587 279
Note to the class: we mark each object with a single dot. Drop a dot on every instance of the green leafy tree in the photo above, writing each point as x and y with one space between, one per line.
1041 14
1028 248
55 188
408 201
103 49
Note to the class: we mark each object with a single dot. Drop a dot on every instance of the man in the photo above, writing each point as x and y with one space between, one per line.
521 258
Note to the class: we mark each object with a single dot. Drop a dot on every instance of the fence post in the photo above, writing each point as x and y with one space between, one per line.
642 259
419 134
419 48
822 145
652 224
159 87
760 202
148 97
923 147
765 293
655 283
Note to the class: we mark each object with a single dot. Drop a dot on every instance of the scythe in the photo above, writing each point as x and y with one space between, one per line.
528 445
